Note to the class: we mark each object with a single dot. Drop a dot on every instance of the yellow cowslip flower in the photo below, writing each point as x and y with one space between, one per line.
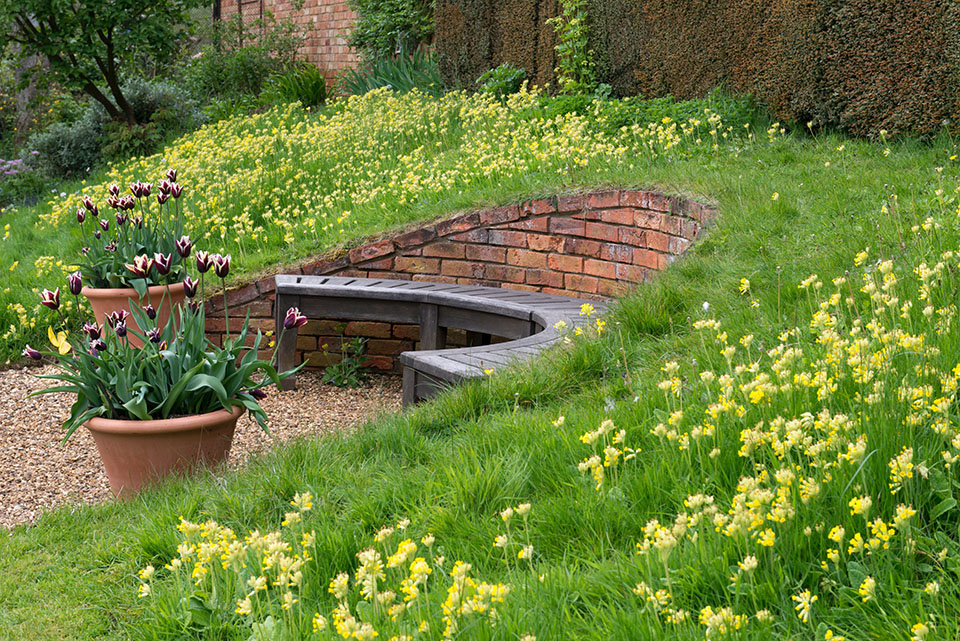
766 538
319 623
860 505
805 602
867 589
919 631
744 287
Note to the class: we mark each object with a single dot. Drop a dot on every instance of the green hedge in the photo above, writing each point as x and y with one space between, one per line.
860 65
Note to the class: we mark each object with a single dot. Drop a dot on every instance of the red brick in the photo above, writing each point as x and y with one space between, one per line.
690 230
620 216
242 295
260 308
541 223
306 343
371 330
526 258
610 288
435 278
665 260
557 292
633 236
415 237
569 226
631 273
379 346
500 215
617 253
444 249
600 231
581 283
355 273
382 363
418 265
600 268
678 245
538 207
634 198
659 202
382 263
564 263
507 237
266 285
486 253
570 202
657 241
461 269
544 277
458 224
544 242
670 225
603 200
647 219
581 247
321 359
589 215
390 275
321 267
472 236
520 287
505 274
646 258
371 250
408 332
472 282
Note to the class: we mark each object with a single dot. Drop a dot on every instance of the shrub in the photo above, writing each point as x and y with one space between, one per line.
20 182
241 58
69 150
385 27
305 84
403 73
503 80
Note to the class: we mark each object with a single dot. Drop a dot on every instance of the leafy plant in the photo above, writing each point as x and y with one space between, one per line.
349 371
20 182
305 84
122 141
576 69
385 27
402 73
177 372
503 80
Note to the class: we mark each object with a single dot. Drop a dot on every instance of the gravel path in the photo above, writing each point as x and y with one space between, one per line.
37 472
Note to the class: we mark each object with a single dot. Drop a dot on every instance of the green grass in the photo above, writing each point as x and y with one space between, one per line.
451 465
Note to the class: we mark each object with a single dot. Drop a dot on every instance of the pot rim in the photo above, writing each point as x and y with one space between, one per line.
164 425
117 291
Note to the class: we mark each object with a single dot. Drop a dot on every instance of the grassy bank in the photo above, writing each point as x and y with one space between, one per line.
764 464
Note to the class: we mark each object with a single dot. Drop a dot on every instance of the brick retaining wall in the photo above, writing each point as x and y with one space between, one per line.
590 245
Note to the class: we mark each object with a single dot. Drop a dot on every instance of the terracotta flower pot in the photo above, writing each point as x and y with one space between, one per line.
106 301
137 452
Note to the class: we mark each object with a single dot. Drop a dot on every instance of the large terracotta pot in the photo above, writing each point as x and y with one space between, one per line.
137 452
107 301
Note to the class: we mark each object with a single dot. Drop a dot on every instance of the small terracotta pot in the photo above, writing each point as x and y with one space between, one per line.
106 301
137 452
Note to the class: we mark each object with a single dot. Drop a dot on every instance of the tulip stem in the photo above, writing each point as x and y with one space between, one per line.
226 310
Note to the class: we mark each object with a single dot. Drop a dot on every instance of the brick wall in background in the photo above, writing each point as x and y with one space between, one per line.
326 24
591 245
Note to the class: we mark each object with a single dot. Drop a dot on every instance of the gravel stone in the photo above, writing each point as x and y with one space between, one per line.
38 473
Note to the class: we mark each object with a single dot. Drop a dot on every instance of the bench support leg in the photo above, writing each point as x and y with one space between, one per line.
432 336
477 338
287 346
409 386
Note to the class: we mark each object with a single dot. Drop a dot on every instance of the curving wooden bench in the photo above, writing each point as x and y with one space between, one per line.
527 318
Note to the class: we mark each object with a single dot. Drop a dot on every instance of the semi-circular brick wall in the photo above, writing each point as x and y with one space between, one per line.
590 245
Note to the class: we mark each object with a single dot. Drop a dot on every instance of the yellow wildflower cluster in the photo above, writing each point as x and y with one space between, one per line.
389 593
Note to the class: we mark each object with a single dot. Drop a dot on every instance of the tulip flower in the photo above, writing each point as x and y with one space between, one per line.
172 175
95 211
221 265
114 189
29 352
98 345
163 263
122 219
184 246
50 299
141 267
114 202
111 246
59 340
176 190
153 335
163 187
150 312
258 394
138 222
84 251
81 216
75 283
204 262
294 318
194 306
92 330
120 329
88 203
162 197
105 224
190 287
127 203
118 317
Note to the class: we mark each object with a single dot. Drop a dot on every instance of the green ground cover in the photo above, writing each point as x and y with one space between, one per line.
841 422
